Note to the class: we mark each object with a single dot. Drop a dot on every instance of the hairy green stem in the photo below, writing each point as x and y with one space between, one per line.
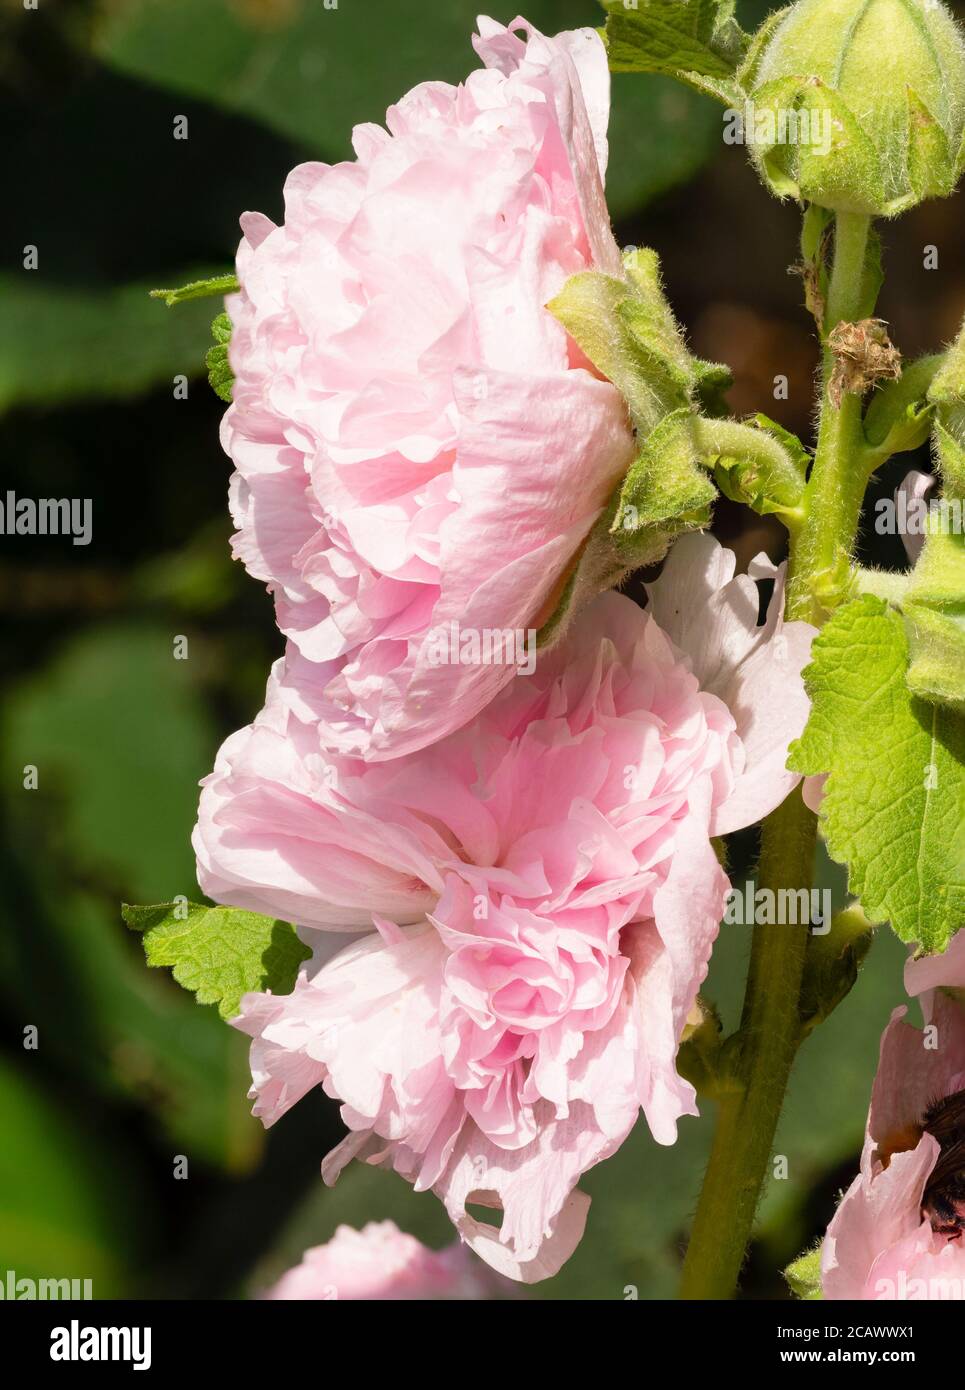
770 1031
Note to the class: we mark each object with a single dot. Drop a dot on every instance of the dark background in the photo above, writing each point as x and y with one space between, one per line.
129 1072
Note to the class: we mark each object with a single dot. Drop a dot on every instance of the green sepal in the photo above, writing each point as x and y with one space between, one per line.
625 327
663 494
627 330
899 417
804 1275
699 1058
759 464
198 289
835 177
748 67
832 964
712 381
931 172
219 953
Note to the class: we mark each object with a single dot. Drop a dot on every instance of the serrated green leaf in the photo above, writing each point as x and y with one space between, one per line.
804 1275
219 953
220 376
198 289
696 41
221 328
894 803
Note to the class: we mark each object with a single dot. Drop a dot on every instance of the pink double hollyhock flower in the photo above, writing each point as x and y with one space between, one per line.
416 438
544 891
381 1263
899 1233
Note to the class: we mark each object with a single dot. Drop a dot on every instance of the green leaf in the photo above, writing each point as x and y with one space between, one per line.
697 41
934 605
60 344
220 375
127 816
219 953
271 63
71 1200
198 289
894 803
102 825
804 1275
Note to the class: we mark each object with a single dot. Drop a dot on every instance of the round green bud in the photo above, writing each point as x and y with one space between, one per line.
858 105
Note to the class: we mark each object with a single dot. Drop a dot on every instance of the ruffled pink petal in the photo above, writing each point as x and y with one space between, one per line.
711 615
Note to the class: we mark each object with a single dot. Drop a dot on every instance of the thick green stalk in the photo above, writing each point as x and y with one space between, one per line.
770 1032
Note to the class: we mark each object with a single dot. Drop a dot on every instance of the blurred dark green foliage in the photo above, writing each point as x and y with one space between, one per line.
129 1072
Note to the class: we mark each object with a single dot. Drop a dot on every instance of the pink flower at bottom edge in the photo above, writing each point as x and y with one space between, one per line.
380 1263
882 1243
545 892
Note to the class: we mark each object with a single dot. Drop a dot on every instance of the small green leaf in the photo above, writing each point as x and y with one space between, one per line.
220 376
894 802
198 289
219 953
804 1275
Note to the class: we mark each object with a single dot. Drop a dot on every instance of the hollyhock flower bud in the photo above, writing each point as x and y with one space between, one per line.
898 1233
417 440
544 890
381 1263
859 105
